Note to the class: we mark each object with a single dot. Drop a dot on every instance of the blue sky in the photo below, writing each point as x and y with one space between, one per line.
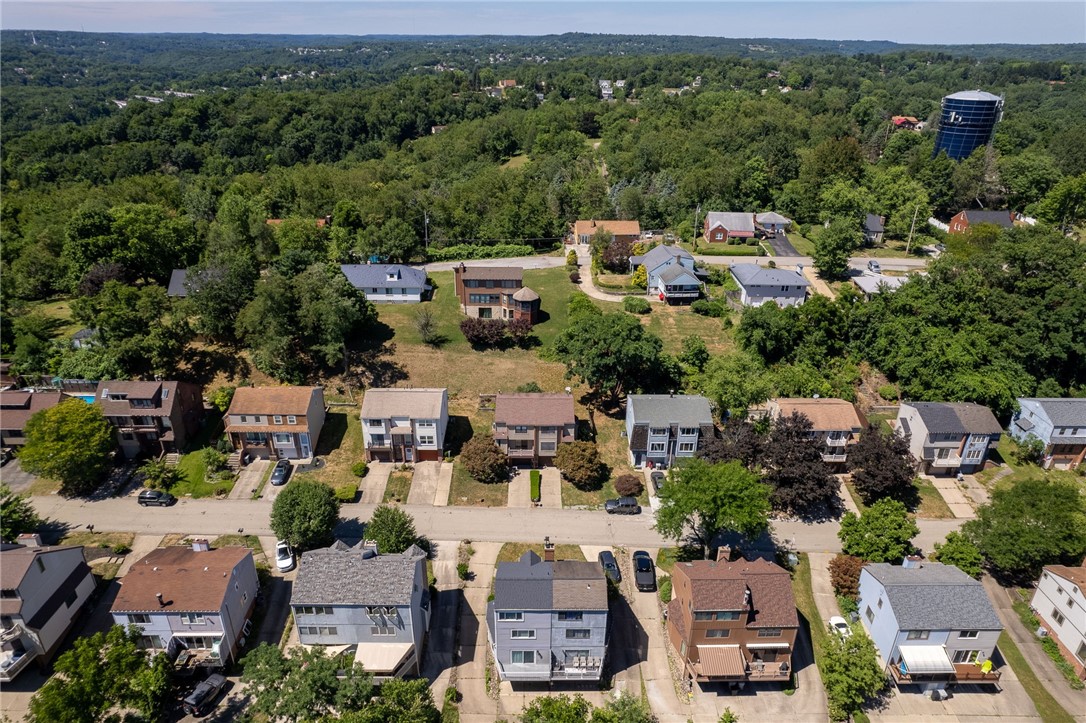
933 21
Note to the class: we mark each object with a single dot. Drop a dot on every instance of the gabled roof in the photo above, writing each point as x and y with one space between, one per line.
164 394
533 584
1062 412
18 407
754 275
495 273
719 585
934 597
539 409
956 417
659 255
342 575
177 283
870 283
826 415
17 560
734 222
413 403
675 272
588 227
272 400
999 218
1076 575
873 223
684 409
189 581
772 217
376 276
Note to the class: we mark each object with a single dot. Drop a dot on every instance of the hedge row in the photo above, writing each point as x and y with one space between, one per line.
731 251
467 252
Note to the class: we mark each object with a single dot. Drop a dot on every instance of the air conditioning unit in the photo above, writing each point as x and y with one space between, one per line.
1042 632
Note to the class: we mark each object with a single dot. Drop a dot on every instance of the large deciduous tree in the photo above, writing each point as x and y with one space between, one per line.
218 288
1036 522
801 481
392 529
70 443
403 701
738 440
960 552
882 533
882 466
304 684
850 673
612 353
17 516
484 460
580 463
712 499
305 514
833 246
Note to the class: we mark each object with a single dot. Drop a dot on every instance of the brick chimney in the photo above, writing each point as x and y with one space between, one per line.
548 549
724 553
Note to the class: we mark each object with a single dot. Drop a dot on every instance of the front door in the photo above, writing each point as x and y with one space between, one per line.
303 440
409 454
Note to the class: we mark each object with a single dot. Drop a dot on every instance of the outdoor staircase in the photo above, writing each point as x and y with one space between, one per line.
172 459
234 461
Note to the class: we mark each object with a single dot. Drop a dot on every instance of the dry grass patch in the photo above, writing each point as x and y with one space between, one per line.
99 539
932 505
399 485
512 551
173 539
674 323
340 446
467 492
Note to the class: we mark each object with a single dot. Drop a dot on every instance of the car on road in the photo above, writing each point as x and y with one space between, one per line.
874 267
281 473
622 506
657 478
610 565
155 498
840 626
284 556
202 700
644 571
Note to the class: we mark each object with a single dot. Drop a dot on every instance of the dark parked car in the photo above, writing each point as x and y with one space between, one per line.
202 700
622 506
658 478
281 472
610 566
156 498
644 571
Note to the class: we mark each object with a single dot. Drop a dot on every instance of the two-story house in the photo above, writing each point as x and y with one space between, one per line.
388 283
721 226
17 407
873 229
548 619
759 285
948 438
405 425
661 427
733 622
671 274
487 292
276 422
585 229
834 422
1060 604
378 602
528 427
931 623
152 418
191 602
1060 425
42 591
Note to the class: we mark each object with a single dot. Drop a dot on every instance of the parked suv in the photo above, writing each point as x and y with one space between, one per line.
873 267
622 506
202 700
156 498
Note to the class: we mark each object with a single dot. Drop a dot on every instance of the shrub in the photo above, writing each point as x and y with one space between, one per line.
731 251
468 252
636 305
575 277
359 469
848 605
845 575
888 391
483 459
452 695
580 304
121 549
536 480
664 588
640 277
426 326
221 398
213 459
462 570
629 485
483 332
705 307
571 258
529 388
580 463
519 330
347 492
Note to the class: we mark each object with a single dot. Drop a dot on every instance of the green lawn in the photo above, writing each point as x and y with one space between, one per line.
193 483
804 245
250 541
932 505
668 556
340 446
1049 710
399 485
467 492
517 161
805 603
511 551
99 539
61 310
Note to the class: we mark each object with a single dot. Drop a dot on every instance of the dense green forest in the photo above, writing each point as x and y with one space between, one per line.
398 141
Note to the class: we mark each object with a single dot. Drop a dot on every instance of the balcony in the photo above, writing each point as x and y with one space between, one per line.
967 673
951 461
836 441
12 663
520 453
769 671
579 668
833 456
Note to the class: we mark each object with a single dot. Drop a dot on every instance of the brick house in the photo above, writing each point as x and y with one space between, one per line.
152 418
276 422
528 427
961 221
721 226
495 293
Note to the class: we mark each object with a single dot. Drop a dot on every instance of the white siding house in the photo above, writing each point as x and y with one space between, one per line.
1060 605
758 285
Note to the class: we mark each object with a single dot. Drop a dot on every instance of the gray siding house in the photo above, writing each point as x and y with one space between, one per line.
380 604
388 283
661 427
947 438
759 285
1060 425
670 272
548 619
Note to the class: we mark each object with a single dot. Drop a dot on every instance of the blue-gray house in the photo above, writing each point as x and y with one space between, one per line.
548 619
388 283
670 272
354 596
931 623
1060 425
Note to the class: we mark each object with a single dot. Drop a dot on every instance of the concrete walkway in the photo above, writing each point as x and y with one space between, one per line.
444 485
1073 701
141 546
818 285
423 483
249 478
437 661
551 489
588 284
846 498
825 598
953 496
520 489
472 646
375 481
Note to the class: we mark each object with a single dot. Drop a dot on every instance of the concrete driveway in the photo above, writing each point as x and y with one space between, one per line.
953 496
13 476
249 478
424 483
375 481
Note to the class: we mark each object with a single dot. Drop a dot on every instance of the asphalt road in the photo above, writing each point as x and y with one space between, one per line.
781 245
495 524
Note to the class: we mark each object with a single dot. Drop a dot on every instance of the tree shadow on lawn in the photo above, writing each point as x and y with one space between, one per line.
457 433
205 364
375 367
332 433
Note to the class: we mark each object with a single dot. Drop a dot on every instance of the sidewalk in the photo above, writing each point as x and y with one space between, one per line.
1073 701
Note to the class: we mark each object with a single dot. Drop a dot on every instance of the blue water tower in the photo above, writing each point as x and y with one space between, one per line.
967 122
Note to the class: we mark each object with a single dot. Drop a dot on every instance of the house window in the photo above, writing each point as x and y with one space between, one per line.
70 600
1057 617
717 633
966 656
1081 652
255 438
719 236
658 431
485 313
869 614
656 447
546 446
578 634
192 619
40 563
424 423
522 634
769 633
382 630
244 419
291 419
427 439
318 630
524 657
718 615
139 619
283 437
880 603
150 642
918 634
314 610
511 617
520 429
969 634
686 446
375 423
277 419
377 440
568 616
688 431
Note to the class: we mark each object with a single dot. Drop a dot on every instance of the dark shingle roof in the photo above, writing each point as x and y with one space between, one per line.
177 283
873 223
957 418
662 255
754 275
376 276
999 218
341 575
935 597
534 409
685 409
723 585
1063 412
675 272
533 584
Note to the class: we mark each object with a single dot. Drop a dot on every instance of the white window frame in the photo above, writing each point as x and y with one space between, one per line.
277 419
686 446
510 617
657 447
193 619
291 419
527 657
427 439
522 634
969 634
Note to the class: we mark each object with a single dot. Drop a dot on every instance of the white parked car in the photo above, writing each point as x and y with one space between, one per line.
284 556
840 626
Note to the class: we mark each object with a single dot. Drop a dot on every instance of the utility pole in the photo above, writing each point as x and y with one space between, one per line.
911 229
426 227
694 237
